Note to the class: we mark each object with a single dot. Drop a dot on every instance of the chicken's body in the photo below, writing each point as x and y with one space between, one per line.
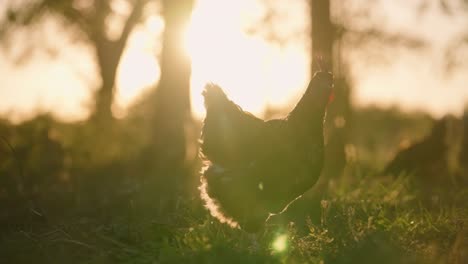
255 167
421 155
463 157
426 162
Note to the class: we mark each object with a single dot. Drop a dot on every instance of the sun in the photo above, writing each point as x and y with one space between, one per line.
252 71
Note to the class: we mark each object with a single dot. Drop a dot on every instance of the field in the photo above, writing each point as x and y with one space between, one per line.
107 209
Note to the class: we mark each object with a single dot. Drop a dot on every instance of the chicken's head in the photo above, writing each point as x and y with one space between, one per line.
314 102
320 89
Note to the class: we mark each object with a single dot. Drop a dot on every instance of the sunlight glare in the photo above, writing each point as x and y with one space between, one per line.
139 68
253 72
154 24
281 243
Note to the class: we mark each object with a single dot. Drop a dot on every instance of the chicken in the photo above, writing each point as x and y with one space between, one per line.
420 154
255 168
463 157
425 161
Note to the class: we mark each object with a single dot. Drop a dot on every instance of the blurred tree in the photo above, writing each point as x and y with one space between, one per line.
322 34
332 31
324 37
92 22
106 26
456 52
172 113
172 98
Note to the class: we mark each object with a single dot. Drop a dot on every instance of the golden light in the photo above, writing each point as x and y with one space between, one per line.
280 244
154 24
252 71
255 72
139 68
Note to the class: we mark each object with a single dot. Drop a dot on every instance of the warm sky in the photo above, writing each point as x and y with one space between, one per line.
253 71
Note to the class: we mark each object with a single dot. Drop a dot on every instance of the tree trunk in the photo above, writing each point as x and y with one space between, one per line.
326 58
108 57
322 35
172 98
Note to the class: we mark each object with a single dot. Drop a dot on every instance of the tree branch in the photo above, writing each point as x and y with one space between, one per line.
133 18
372 34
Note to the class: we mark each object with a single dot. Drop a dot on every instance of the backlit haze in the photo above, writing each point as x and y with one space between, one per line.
253 71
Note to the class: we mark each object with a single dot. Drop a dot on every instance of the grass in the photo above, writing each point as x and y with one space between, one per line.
372 220
111 212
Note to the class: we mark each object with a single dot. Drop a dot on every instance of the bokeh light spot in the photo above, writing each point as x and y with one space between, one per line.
281 243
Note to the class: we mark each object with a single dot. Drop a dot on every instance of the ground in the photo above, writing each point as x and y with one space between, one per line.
360 217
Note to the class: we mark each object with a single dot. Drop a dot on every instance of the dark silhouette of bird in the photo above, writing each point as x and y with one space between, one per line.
463 157
256 168
426 161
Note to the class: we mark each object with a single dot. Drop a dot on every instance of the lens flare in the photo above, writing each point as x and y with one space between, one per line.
281 243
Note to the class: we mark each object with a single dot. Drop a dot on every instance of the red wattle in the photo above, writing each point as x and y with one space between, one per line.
331 98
